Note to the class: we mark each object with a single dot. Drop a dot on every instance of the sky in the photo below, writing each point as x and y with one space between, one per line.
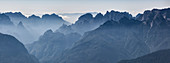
40 7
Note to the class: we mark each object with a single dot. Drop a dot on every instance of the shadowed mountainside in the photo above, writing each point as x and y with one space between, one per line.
161 56
11 50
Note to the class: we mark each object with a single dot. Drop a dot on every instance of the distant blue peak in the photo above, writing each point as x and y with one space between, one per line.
107 12
54 14
86 16
18 13
33 16
99 15
51 16
113 11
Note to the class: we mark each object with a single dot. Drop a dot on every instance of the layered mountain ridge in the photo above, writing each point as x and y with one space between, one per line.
51 45
124 39
112 37
107 38
87 22
110 43
34 25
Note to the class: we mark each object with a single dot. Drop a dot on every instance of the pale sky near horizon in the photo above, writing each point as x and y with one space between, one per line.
39 7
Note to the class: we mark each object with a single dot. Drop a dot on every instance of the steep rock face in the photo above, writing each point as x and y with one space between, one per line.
161 56
157 36
151 16
11 50
50 45
87 22
111 42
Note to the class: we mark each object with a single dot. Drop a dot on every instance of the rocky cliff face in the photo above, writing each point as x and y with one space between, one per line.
158 21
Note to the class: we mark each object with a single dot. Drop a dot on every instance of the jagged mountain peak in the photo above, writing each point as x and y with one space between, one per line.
155 17
87 22
86 16
99 15
112 12
138 15
51 16
16 14
3 15
48 31
20 24
33 16
155 9
116 15
107 12
46 34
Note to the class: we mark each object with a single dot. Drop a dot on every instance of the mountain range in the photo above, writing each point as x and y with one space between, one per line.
121 37
34 25
87 22
114 37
